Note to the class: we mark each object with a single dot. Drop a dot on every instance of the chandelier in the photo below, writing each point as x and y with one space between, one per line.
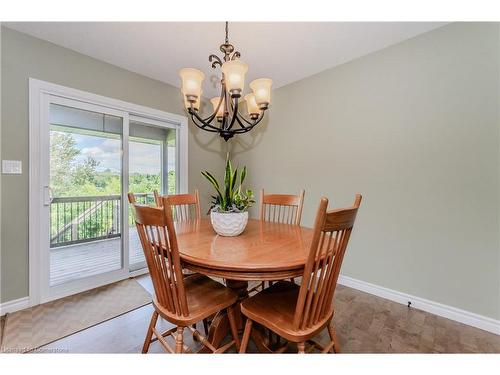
226 120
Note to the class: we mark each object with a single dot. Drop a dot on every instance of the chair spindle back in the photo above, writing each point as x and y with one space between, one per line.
184 206
281 208
332 230
159 243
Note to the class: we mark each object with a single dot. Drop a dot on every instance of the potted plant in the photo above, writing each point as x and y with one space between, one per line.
229 209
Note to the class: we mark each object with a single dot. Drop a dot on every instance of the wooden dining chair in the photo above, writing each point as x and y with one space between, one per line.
182 301
298 313
185 272
281 208
184 206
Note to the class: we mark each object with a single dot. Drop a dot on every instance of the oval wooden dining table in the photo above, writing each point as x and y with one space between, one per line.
265 251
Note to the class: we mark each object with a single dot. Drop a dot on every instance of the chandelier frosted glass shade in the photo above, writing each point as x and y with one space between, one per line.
191 82
234 75
252 106
196 103
226 120
218 109
262 90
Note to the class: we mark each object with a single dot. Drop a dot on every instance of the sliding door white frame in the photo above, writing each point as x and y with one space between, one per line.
47 292
40 95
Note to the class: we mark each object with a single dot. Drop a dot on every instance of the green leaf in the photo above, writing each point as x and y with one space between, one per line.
233 181
243 175
211 178
227 181
213 181
227 174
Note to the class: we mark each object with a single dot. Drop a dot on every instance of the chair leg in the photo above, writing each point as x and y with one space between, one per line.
234 329
334 338
246 336
205 326
301 346
195 338
270 336
278 340
263 285
179 340
149 334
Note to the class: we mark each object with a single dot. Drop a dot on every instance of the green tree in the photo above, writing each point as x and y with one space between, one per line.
72 177
62 154
86 171
68 177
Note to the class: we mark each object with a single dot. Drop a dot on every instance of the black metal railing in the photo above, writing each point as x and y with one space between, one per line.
83 219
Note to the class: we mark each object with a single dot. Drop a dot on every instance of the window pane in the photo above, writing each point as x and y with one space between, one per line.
85 181
151 167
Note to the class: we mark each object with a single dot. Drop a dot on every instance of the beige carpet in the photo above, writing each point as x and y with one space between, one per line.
29 329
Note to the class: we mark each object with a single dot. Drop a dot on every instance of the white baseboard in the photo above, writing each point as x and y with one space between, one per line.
458 315
14 305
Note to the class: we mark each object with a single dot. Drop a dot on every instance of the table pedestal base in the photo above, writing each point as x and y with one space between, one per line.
219 328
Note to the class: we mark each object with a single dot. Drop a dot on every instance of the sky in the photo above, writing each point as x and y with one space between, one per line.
144 157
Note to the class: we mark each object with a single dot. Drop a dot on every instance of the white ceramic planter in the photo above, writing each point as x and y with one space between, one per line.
229 224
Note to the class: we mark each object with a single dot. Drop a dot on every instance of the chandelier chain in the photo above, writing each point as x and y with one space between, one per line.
227 32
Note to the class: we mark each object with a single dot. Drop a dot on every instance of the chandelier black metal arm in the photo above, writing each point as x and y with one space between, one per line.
245 129
223 122
234 113
206 121
203 126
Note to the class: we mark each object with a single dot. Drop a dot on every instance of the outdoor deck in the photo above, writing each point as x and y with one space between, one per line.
91 258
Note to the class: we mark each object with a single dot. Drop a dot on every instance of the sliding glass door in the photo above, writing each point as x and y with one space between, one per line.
85 169
84 159
152 166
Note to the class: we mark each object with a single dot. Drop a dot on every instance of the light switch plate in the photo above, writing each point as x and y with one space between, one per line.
12 167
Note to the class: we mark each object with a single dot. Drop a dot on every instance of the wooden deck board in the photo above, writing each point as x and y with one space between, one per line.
91 258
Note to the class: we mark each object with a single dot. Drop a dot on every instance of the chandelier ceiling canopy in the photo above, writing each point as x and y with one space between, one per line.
226 120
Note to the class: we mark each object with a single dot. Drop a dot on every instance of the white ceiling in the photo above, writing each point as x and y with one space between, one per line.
283 51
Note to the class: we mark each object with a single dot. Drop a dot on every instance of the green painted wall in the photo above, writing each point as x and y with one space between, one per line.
415 129
23 57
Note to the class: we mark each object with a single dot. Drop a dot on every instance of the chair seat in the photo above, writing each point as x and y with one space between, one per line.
205 297
274 308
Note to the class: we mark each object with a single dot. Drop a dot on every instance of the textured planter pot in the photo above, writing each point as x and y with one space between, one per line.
229 224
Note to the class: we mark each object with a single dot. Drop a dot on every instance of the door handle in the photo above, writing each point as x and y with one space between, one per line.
47 195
